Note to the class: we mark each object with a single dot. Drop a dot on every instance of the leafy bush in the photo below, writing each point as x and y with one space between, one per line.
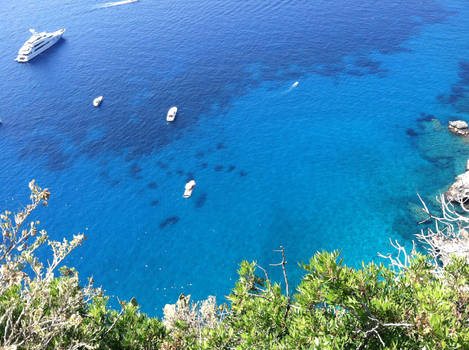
39 310
338 307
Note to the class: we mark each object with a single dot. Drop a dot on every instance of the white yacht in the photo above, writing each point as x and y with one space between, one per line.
38 43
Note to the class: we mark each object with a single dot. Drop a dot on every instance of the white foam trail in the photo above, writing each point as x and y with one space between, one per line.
294 85
116 3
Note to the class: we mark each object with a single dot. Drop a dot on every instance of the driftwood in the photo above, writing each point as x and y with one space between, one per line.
450 236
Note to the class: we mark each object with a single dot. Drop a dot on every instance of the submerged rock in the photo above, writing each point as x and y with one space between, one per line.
459 127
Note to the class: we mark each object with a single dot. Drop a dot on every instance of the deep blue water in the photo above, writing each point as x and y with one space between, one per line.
333 163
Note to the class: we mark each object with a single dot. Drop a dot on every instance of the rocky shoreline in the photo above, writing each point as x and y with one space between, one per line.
459 190
459 127
450 237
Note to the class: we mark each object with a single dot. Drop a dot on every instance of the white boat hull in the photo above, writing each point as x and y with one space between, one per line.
171 114
189 188
97 101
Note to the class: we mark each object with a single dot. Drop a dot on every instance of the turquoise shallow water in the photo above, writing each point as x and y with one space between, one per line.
333 163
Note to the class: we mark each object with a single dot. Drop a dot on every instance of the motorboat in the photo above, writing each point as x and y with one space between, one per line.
171 114
189 188
97 101
37 43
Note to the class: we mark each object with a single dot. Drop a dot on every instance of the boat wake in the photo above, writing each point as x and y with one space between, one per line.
115 3
294 85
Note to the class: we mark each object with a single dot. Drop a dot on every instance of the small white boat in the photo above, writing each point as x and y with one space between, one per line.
189 188
171 114
97 101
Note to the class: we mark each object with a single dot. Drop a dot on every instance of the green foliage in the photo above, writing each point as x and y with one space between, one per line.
258 309
338 307
131 329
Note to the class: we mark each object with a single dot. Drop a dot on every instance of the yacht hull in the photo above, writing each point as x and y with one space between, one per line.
22 58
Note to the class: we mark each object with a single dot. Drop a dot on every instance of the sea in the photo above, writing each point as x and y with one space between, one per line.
308 125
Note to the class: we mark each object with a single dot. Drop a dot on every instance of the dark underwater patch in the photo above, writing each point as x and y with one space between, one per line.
231 168
105 175
169 221
48 150
403 224
242 173
135 170
411 132
369 66
204 165
356 73
162 165
130 156
425 117
154 203
360 66
180 172
218 168
152 185
220 145
200 201
440 162
199 155
459 94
